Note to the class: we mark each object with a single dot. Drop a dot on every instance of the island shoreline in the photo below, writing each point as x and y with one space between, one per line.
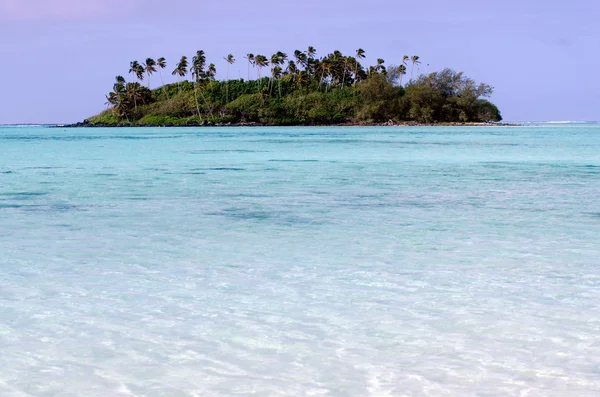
87 124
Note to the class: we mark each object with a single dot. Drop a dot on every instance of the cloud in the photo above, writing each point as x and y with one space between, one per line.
62 9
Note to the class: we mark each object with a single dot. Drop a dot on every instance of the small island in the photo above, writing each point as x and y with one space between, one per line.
299 90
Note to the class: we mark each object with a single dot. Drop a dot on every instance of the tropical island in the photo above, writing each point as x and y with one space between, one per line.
299 90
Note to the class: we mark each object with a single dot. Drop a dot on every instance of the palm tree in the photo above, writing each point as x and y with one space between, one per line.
198 63
414 59
379 67
274 63
291 68
324 67
282 57
211 71
181 70
139 72
310 54
119 81
133 67
300 58
360 54
197 70
301 78
230 61
113 97
402 72
149 67
276 73
162 63
260 61
345 70
330 72
250 58
132 90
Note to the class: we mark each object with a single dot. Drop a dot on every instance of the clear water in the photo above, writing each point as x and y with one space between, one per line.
300 261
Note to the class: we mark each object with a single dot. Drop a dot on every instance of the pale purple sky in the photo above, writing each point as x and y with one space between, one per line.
59 57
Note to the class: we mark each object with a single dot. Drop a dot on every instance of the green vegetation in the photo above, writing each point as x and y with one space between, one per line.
305 90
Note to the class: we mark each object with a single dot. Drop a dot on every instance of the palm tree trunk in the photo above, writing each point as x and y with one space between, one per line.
163 84
227 85
196 98
206 103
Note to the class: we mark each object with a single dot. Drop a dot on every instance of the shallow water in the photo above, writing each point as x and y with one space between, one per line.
300 261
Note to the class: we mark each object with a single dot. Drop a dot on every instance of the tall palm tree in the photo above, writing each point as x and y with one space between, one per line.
139 72
260 61
324 66
401 72
274 63
415 60
300 58
198 63
250 58
162 63
149 67
180 70
360 54
133 68
310 55
330 71
230 61
277 72
345 67
197 70
282 57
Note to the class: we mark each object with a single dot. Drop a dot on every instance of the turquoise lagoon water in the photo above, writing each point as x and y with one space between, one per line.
300 261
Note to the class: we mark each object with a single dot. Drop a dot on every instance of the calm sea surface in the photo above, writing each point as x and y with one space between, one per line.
300 261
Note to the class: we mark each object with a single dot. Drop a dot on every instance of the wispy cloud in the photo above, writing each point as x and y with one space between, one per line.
62 9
